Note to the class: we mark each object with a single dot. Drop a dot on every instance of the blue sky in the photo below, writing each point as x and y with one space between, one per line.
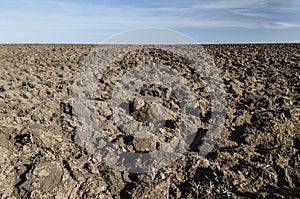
92 21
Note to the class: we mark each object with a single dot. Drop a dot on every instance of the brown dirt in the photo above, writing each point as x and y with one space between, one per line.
258 155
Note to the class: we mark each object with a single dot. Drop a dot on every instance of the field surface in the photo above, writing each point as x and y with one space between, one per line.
257 155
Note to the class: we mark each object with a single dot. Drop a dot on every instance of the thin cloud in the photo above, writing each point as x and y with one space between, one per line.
282 25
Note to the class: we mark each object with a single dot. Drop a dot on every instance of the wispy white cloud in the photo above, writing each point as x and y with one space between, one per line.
246 12
282 25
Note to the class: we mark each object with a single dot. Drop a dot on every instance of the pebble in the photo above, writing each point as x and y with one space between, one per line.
138 103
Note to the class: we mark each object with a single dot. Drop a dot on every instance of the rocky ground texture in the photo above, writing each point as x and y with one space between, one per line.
258 155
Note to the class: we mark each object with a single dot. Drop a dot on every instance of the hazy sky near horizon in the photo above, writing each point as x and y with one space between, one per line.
206 21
